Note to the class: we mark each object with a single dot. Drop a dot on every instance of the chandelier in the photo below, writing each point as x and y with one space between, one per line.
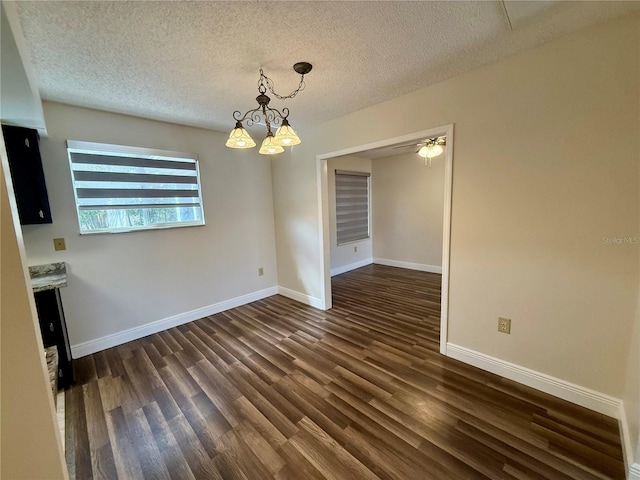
285 136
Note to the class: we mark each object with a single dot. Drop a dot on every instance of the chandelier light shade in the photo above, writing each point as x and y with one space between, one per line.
285 135
269 146
240 138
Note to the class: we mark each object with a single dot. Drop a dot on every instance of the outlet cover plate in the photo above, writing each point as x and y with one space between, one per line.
504 325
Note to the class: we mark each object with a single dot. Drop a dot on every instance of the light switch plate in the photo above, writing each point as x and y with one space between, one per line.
59 244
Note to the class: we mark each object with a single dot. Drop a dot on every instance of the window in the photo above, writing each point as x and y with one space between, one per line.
352 206
122 189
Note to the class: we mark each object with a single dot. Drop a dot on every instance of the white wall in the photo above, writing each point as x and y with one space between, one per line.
535 190
408 206
121 281
343 257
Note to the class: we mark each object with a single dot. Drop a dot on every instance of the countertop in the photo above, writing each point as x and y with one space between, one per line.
48 276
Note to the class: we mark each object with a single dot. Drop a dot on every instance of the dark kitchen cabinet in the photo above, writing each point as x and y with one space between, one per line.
54 332
27 174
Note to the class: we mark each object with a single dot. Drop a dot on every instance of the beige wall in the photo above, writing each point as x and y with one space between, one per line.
407 209
535 190
631 395
30 445
343 255
121 281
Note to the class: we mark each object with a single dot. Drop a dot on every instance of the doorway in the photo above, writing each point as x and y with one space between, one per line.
324 217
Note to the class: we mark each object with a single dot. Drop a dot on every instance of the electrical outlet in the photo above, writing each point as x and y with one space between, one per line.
260 271
504 325
355 249
58 244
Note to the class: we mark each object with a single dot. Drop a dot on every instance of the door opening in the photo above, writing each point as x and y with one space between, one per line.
323 192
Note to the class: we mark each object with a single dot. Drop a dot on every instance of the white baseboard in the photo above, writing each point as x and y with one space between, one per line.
410 265
301 297
351 266
627 449
585 397
634 472
108 341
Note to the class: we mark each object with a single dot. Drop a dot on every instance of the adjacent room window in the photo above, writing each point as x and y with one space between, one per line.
122 189
352 206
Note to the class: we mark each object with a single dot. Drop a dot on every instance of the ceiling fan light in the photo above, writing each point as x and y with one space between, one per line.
240 138
435 150
269 147
286 136
430 151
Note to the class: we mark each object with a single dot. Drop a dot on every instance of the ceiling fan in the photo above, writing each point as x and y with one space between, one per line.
431 147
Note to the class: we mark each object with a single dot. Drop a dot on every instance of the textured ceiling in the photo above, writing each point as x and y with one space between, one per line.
194 63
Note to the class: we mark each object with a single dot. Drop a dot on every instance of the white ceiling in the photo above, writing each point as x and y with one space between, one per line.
194 63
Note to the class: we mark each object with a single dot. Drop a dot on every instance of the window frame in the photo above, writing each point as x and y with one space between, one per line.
113 150
353 174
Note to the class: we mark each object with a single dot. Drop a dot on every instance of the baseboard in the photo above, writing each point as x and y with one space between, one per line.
351 266
634 472
108 341
410 265
585 397
301 297
625 435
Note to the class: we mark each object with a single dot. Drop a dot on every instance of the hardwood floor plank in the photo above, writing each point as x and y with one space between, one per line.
151 462
103 464
279 390
237 461
297 466
323 452
261 424
172 456
276 417
81 444
102 365
102 461
122 443
200 463
442 466
261 448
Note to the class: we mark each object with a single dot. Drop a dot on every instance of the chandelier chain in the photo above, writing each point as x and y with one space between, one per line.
265 82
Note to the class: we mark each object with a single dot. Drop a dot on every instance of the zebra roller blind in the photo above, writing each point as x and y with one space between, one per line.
352 206
120 189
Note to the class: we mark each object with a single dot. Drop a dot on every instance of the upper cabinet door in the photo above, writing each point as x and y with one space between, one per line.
27 175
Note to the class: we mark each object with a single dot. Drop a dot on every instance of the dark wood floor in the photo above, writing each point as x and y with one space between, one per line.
278 390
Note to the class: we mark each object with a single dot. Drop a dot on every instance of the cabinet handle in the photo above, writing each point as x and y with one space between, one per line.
60 373
26 142
41 213
51 327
